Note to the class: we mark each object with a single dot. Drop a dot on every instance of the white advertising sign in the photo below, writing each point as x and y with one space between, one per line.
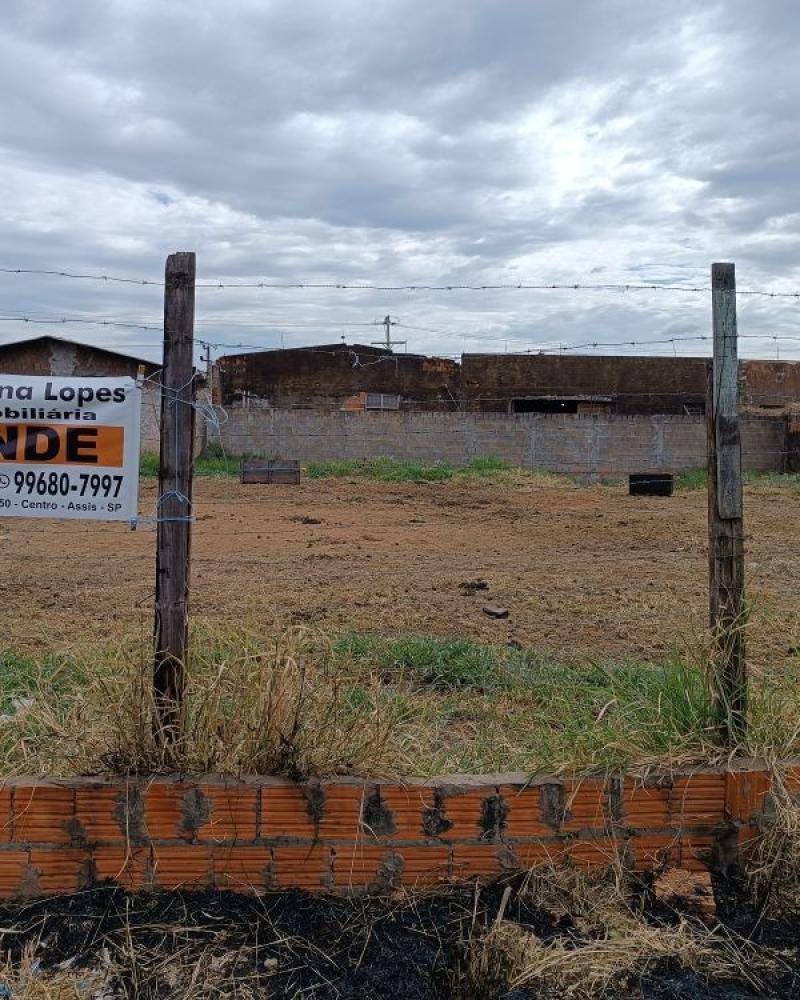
69 447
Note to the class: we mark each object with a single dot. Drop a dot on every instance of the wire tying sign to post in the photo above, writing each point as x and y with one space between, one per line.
69 447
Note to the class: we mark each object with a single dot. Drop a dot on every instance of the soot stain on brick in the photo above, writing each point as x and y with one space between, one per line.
376 816
128 812
314 795
552 800
615 799
29 885
494 813
76 832
196 812
434 819
389 872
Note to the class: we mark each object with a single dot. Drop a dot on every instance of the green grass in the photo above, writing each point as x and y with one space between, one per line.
411 704
215 466
393 470
697 479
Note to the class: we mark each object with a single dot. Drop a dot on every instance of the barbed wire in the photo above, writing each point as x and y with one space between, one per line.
369 286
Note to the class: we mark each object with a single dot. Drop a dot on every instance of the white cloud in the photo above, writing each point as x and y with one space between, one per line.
402 142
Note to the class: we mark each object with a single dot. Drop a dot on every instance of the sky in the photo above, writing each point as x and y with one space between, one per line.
398 142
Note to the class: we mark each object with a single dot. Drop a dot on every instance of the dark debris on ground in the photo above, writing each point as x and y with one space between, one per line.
292 944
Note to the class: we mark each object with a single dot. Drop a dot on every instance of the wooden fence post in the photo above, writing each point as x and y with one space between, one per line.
725 512
174 528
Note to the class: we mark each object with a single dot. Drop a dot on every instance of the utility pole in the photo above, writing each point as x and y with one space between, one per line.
725 515
387 342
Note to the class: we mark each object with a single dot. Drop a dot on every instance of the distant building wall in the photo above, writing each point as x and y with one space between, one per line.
635 385
329 375
579 445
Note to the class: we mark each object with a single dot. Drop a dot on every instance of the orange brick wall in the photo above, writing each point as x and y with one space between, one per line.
348 834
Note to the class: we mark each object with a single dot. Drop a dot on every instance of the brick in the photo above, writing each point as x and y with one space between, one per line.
165 811
470 860
600 853
651 851
5 814
13 865
464 811
791 778
98 812
696 851
241 867
362 865
185 865
303 867
524 817
129 868
532 855
424 865
745 794
406 805
43 814
584 802
645 807
698 800
285 812
232 812
58 870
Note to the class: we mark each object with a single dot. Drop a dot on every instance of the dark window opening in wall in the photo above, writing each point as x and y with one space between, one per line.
545 405
382 401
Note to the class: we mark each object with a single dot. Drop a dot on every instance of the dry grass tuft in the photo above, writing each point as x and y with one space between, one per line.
26 981
773 865
250 708
610 947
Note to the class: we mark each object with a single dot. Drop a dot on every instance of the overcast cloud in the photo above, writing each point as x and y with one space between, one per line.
436 142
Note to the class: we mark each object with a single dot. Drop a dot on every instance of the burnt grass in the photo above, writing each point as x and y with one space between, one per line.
293 944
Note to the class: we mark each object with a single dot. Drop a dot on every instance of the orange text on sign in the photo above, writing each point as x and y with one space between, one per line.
62 444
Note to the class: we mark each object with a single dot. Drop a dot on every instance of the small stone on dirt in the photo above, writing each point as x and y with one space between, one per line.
494 612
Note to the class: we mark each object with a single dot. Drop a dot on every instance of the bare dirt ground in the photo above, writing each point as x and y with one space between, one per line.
582 570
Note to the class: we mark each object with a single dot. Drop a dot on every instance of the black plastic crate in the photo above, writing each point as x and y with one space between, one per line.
651 484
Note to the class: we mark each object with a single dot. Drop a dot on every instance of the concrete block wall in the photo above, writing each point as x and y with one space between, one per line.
345 835
580 445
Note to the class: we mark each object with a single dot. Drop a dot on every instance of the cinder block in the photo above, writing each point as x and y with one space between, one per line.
44 814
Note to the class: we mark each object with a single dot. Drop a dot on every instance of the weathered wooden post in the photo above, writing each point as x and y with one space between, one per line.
725 515
174 528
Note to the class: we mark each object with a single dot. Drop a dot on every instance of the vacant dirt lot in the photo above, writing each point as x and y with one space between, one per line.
581 569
